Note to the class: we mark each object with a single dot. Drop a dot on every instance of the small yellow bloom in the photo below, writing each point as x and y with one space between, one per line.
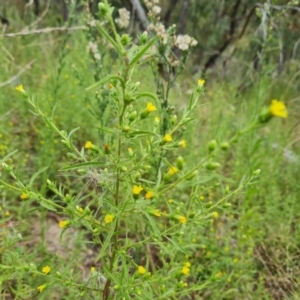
201 82
185 270
157 213
172 171
188 264
80 209
46 270
88 145
137 189
182 143
41 287
130 152
141 270
219 274
111 86
149 195
92 270
7 213
182 219
201 197
278 109
20 88
24 196
150 107
170 200
108 218
215 214
156 120
63 224
167 138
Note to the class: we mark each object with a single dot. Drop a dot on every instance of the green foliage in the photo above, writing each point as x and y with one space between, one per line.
152 195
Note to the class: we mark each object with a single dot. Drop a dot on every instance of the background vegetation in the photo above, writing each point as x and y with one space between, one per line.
248 54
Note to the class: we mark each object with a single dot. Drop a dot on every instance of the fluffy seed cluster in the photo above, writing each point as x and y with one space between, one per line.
124 20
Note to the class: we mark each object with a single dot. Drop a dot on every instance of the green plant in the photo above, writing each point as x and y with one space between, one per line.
145 200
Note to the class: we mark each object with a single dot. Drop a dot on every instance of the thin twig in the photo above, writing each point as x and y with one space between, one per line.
45 30
15 77
41 17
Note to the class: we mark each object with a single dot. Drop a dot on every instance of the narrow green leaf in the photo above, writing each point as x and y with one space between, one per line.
104 80
85 165
109 38
8 156
109 130
142 51
176 245
152 223
48 206
36 174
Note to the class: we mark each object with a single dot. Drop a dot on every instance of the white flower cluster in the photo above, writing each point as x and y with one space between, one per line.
153 9
184 42
92 47
124 20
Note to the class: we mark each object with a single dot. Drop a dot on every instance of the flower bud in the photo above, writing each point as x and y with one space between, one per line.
256 172
173 120
125 129
125 39
212 145
103 9
123 169
212 165
224 146
132 116
143 37
192 175
226 191
180 162
106 149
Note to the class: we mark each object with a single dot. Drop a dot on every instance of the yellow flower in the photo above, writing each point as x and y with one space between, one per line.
182 219
278 109
188 264
150 107
149 195
137 189
157 213
182 143
24 196
215 214
141 270
108 218
201 197
63 224
80 209
46 270
111 86
167 138
185 270
156 120
219 274
92 270
20 88
172 171
41 287
201 82
7 213
88 145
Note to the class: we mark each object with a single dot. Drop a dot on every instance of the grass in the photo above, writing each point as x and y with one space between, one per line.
254 244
